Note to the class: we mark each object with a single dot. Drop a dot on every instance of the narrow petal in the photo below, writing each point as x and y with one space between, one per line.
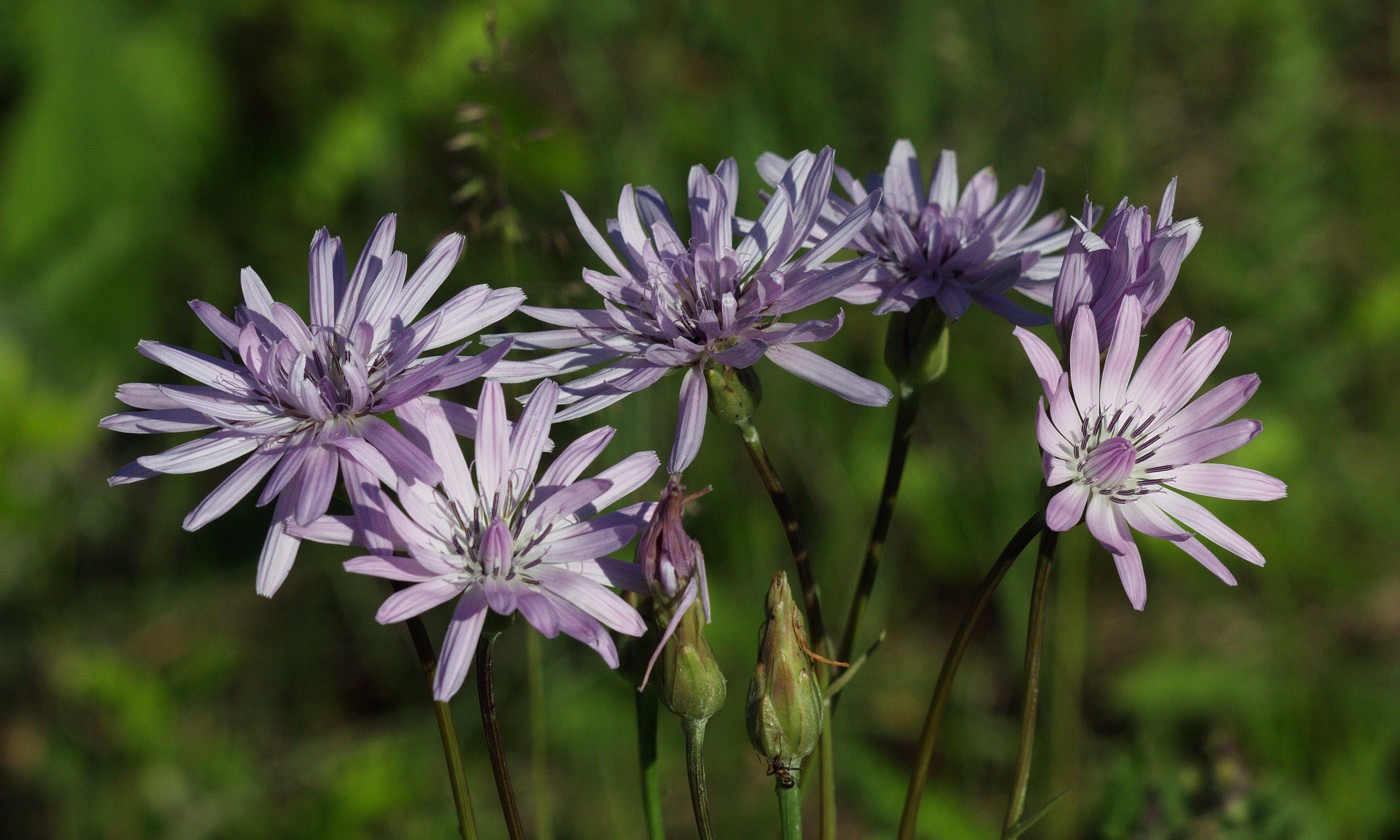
493 439
1228 482
595 600
690 426
570 464
625 476
594 239
389 567
322 267
1205 444
582 542
279 549
1217 404
416 600
823 373
430 275
204 453
318 476
459 645
1066 509
1190 513
527 438
407 458
158 421
231 490
1122 352
1043 359
1084 361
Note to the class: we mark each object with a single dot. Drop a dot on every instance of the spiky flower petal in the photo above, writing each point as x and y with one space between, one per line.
1123 445
301 401
497 538
936 243
670 305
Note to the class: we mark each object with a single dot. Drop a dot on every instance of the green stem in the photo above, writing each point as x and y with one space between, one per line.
486 694
790 810
539 737
906 412
695 771
812 601
827 772
447 729
1035 638
939 701
811 595
647 714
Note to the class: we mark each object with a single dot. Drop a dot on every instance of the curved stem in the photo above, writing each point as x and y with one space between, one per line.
695 772
811 595
647 714
939 701
539 738
906 412
1035 637
790 810
486 694
447 729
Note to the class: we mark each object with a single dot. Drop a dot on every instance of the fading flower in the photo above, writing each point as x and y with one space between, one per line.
954 248
673 564
498 539
1124 445
671 305
1130 256
301 401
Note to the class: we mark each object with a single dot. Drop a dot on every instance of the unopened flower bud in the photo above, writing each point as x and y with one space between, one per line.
785 704
734 392
916 346
691 683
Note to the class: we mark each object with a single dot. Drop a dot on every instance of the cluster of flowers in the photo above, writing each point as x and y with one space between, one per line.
301 402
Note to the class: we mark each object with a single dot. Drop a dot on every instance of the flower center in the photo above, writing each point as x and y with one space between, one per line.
1110 464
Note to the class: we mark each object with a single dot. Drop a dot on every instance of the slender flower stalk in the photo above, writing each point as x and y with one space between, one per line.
1030 702
928 738
695 773
303 401
670 305
790 808
648 712
447 729
1122 444
491 727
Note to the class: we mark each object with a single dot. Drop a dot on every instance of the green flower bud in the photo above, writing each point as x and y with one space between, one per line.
916 346
691 684
785 705
734 392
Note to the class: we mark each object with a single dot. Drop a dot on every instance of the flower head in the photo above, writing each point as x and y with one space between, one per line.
1130 256
301 400
935 243
672 305
1124 445
497 538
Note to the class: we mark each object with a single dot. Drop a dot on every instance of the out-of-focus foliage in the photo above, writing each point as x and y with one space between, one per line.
148 151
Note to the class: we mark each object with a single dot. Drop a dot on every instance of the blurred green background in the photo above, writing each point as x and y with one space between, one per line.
149 150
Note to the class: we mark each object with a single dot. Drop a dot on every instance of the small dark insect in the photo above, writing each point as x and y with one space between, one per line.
784 773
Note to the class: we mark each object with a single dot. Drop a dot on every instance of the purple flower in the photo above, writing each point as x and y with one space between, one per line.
1129 257
500 539
1124 444
936 244
670 305
301 401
